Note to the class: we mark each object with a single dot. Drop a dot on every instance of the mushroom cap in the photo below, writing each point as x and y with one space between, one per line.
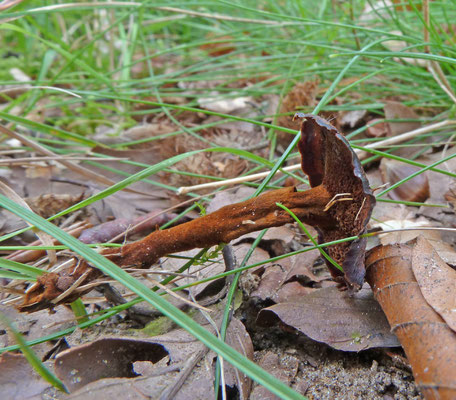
328 160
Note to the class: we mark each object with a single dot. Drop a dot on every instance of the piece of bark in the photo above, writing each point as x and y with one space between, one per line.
429 343
18 379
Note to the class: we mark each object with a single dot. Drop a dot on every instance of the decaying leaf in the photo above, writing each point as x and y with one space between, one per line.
436 279
107 231
401 45
18 380
223 45
353 118
182 354
377 128
349 323
284 281
450 195
213 267
429 343
395 110
415 189
104 358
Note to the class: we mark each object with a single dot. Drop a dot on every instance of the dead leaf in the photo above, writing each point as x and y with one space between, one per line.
18 380
104 358
114 358
415 189
199 271
216 102
397 110
436 279
121 389
438 182
348 323
125 227
429 343
377 129
281 282
352 119
223 45
227 197
450 195
398 216
400 45
238 338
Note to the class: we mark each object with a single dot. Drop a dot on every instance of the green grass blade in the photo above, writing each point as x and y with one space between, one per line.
22 269
311 238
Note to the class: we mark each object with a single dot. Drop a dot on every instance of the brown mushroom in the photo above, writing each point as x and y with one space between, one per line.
338 204
329 161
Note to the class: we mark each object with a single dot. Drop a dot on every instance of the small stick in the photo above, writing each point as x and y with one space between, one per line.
171 390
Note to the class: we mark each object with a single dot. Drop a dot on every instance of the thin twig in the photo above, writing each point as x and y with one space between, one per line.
169 9
220 16
26 160
434 67
170 391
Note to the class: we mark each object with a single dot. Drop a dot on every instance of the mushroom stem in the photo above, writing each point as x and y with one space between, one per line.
227 224
221 226
334 173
